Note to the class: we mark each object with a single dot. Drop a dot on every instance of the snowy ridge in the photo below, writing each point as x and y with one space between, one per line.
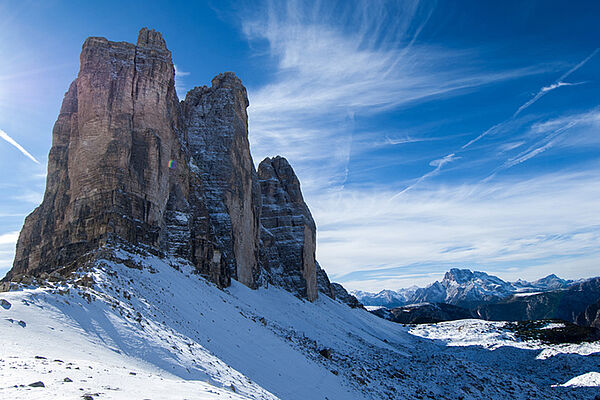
183 337
385 298
461 287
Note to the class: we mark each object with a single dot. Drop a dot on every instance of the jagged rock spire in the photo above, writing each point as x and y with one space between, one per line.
131 165
108 173
217 129
150 38
288 230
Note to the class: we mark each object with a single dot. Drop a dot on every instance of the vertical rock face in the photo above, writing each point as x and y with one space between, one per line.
108 166
323 283
131 165
217 128
289 233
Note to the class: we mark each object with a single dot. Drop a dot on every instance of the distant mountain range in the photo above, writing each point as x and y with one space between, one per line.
575 303
463 293
461 287
386 298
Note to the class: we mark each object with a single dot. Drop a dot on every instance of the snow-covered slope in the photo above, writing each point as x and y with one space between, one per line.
155 330
566 364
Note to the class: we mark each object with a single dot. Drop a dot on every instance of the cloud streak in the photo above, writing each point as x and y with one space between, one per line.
326 73
438 164
538 148
558 83
554 132
10 140
501 224
408 139
542 92
179 82
498 127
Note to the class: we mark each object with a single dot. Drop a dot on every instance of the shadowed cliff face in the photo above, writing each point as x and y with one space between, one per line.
119 167
217 128
289 233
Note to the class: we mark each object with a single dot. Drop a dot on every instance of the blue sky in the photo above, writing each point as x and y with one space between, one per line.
426 136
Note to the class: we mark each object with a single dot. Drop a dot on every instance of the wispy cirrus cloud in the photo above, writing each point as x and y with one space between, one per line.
331 65
9 238
589 118
30 196
558 83
438 164
408 139
554 132
499 127
492 226
331 70
539 147
180 86
542 92
10 140
8 241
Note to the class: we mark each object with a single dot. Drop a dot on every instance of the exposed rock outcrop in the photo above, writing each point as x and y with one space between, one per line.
323 282
108 168
217 126
132 166
335 290
342 295
288 232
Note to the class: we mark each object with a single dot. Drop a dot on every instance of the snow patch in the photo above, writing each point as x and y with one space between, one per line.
591 379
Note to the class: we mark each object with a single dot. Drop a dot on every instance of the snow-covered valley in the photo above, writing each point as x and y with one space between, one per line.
155 330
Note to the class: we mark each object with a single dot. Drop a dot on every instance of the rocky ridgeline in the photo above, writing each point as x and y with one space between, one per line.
130 165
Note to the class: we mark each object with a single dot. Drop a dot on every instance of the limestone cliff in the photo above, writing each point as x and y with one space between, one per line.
217 126
132 166
108 168
119 167
288 232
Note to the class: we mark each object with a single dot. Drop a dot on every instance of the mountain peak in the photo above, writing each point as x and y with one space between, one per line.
227 80
459 275
151 38
549 277
131 166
